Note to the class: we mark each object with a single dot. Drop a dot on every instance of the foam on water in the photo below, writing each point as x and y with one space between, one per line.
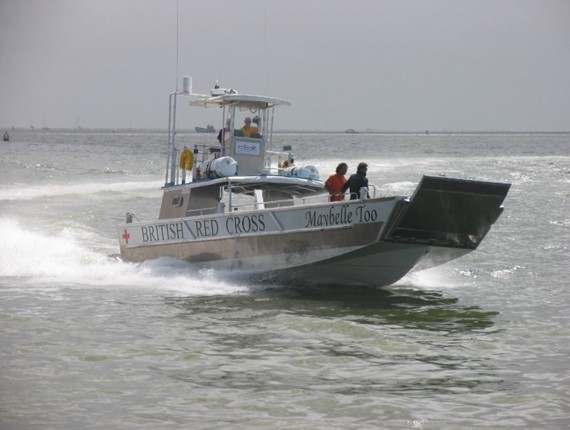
62 259
441 277
30 192
65 259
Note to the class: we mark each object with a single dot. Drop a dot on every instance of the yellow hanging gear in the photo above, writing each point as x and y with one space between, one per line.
186 159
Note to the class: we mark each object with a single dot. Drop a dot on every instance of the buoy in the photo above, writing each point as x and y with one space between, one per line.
6 137
186 159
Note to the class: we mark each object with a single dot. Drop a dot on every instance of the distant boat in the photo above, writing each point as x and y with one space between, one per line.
208 129
6 137
351 131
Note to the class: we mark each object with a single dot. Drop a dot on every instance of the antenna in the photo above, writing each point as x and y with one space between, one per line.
176 45
265 49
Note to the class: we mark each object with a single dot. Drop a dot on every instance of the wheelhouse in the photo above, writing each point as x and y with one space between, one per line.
235 163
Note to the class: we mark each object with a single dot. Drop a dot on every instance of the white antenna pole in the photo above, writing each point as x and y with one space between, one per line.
176 45
171 158
265 49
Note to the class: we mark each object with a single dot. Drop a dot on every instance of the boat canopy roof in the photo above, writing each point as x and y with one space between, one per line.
242 100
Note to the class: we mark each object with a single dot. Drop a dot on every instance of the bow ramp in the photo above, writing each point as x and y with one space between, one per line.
449 212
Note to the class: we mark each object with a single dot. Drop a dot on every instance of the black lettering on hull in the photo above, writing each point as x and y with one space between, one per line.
162 232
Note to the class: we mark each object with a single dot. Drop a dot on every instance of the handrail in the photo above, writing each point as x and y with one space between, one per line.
371 195
297 201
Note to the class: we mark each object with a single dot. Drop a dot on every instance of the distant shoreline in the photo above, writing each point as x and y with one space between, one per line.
192 131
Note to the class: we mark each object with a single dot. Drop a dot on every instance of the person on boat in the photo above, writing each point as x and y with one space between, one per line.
248 129
356 182
224 131
335 182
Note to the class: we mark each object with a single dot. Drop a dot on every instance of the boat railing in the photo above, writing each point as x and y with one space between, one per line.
200 153
247 207
373 188
207 152
274 204
371 192
274 161
308 200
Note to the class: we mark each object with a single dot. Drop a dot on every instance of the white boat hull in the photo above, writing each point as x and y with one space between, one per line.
372 241
276 239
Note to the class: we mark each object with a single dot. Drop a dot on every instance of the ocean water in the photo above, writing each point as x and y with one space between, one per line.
91 342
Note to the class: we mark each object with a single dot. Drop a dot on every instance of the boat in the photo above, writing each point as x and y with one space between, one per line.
232 206
6 137
209 129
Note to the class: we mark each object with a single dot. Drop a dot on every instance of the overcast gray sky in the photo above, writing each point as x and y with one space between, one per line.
379 64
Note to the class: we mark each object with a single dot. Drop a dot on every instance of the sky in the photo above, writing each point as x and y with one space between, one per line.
386 65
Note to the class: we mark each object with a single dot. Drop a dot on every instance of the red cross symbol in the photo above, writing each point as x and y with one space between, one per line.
126 236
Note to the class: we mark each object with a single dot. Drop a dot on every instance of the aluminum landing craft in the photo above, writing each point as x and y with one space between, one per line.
276 221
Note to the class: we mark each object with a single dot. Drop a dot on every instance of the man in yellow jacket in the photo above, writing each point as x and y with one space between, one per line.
248 129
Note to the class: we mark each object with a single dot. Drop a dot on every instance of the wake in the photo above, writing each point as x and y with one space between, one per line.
38 259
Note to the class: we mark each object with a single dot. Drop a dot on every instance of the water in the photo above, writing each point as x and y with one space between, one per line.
91 342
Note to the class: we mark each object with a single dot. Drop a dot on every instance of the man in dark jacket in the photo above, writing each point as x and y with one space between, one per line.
356 182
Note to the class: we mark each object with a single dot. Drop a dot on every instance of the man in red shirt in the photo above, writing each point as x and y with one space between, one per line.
335 182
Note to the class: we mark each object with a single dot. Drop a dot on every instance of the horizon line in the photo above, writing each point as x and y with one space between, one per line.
331 131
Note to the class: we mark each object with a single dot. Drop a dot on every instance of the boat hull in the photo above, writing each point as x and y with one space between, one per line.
342 255
260 241
372 241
